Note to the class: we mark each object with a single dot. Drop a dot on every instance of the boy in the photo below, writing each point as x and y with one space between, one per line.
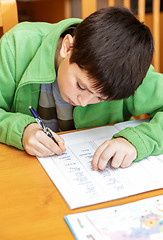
96 77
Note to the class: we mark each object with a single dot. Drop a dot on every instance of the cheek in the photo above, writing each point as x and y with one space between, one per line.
95 101
65 83
59 75
62 77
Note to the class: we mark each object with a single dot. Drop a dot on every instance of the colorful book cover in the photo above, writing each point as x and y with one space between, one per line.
141 220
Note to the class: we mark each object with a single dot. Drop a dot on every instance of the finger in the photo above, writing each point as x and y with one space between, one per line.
50 144
50 147
105 157
97 154
60 141
38 149
117 159
126 162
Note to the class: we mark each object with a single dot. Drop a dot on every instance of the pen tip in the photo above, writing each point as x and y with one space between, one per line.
29 107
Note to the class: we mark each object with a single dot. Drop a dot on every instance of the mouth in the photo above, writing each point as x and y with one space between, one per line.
71 102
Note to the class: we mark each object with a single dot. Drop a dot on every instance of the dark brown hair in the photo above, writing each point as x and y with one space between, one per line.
115 49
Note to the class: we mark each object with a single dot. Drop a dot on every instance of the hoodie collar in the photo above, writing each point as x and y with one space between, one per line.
42 67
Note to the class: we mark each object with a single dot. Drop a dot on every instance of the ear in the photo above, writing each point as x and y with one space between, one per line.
66 45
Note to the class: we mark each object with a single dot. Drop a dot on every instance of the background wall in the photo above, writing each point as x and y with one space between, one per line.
148 22
41 10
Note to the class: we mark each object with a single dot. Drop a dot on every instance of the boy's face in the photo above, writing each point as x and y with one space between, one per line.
75 85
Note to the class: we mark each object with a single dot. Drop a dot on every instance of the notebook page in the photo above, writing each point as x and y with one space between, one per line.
120 126
81 186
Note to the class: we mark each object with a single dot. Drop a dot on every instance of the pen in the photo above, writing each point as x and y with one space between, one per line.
42 125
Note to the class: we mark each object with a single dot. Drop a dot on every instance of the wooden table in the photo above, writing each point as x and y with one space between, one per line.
30 205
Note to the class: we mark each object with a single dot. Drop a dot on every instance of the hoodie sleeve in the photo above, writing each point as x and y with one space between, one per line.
148 98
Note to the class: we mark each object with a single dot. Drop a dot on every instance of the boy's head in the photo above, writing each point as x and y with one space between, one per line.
114 49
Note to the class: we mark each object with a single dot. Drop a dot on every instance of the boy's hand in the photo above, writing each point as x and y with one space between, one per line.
119 151
37 143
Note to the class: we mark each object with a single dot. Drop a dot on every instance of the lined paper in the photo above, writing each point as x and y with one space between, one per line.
81 186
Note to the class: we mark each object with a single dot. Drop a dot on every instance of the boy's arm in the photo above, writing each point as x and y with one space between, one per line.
136 143
11 124
15 126
147 137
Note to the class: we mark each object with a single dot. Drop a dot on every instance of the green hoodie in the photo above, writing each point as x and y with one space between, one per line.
27 60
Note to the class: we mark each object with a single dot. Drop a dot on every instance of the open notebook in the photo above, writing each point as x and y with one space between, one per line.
80 185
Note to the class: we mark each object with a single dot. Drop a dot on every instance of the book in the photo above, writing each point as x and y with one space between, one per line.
81 186
141 220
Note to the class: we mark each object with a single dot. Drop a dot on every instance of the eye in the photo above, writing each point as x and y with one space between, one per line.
79 87
101 99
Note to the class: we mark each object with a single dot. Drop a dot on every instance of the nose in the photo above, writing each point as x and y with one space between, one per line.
85 98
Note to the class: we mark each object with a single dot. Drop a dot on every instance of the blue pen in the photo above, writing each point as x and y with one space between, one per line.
40 122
